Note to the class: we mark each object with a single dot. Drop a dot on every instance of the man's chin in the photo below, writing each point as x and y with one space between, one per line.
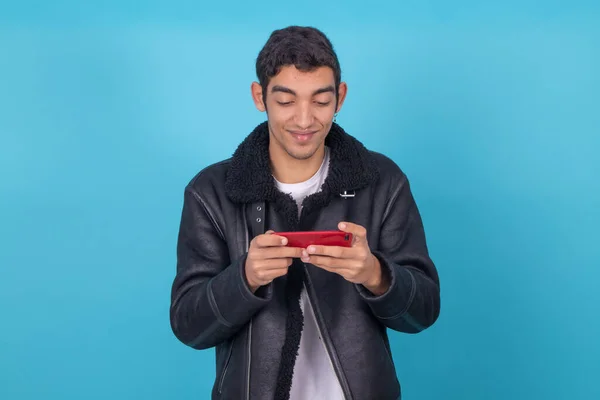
302 155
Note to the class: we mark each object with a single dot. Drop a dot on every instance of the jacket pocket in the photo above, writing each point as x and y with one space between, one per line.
225 367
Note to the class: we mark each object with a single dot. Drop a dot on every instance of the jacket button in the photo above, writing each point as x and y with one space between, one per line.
259 208
258 220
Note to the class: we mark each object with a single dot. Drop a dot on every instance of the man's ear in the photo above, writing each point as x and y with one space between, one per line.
342 91
257 96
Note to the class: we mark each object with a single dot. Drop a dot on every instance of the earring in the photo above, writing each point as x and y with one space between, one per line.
335 117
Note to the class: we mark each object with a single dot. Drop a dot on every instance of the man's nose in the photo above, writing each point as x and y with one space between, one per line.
304 116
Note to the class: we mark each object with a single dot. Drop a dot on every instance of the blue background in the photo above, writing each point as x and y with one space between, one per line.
108 109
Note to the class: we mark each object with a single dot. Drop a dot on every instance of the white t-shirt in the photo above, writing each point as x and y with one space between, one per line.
314 377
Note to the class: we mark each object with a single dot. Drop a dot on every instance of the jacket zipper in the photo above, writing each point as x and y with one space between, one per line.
332 359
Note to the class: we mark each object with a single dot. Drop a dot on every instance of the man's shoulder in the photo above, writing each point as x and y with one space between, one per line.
388 169
211 177
392 178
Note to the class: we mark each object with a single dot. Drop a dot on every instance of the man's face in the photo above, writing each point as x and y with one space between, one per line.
300 107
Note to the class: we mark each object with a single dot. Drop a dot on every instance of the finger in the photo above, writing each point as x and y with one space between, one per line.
281 252
267 275
271 264
339 271
270 240
353 255
329 262
276 273
358 231
330 251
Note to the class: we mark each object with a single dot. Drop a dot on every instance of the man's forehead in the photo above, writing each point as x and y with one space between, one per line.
292 79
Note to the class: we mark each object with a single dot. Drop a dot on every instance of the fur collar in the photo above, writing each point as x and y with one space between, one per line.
249 177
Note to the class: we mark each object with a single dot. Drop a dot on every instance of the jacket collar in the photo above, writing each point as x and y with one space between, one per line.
249 177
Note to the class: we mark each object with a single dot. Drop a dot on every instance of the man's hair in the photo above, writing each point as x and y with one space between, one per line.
306 48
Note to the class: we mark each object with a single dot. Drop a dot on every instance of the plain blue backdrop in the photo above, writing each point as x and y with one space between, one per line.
107 109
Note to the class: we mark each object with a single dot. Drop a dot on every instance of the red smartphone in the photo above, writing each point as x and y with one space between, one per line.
319 238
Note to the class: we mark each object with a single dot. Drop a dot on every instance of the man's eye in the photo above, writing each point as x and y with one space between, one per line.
284 103
323 103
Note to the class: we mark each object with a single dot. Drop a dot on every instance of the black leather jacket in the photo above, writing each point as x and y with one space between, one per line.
228 203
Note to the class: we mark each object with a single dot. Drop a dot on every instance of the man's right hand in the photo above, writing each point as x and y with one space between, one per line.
268 258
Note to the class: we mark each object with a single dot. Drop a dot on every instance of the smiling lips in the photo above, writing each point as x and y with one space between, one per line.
302 136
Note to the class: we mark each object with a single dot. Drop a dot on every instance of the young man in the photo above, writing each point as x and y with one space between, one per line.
301 323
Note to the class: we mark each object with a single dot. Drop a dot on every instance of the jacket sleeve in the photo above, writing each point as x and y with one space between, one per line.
412 302
210 297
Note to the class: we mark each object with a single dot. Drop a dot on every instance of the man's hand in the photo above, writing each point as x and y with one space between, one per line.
268 258
356 264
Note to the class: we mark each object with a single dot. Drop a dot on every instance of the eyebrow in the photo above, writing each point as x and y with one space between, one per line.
279 88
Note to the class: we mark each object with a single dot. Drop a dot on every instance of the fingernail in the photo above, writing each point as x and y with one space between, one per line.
311 249
304 253
284 241
342 226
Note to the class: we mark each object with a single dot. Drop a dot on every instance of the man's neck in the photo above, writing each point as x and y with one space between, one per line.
287 169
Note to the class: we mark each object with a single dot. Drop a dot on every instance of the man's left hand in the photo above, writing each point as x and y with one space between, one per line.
356 264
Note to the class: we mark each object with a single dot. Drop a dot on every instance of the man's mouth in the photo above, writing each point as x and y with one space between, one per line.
302 136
